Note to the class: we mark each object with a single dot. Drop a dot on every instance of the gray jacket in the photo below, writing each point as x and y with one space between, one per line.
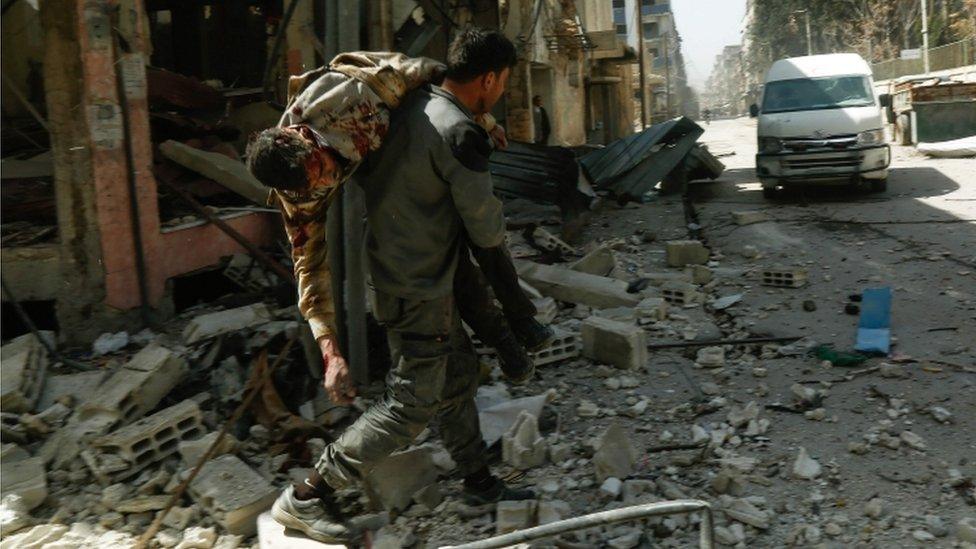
425 188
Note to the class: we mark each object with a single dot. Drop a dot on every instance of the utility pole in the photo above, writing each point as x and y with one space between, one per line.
641 47
925 35
806 14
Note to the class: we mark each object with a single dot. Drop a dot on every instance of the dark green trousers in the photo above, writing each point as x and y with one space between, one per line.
433 379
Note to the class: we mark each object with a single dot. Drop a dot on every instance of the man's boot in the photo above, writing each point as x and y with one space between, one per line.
516 364
533 334
317 518
482 487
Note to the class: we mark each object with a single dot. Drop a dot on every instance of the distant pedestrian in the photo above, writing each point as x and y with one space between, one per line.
540 119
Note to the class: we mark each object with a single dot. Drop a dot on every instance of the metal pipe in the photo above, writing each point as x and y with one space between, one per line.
641 46
925 35
682 506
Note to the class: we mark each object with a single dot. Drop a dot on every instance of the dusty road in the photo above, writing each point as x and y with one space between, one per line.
919 238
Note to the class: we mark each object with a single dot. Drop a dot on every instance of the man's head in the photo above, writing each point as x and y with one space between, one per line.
537 100
291 159
478 64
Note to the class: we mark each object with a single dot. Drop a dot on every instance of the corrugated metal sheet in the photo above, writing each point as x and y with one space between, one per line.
540 173
632 166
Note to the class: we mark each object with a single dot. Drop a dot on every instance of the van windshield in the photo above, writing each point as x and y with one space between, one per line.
805 94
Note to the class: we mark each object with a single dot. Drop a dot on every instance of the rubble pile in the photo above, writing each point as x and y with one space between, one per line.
646 395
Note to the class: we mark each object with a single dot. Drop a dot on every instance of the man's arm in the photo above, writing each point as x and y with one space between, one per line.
463 163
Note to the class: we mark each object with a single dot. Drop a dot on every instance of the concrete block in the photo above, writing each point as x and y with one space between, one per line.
514 515
23 366
784 277
126 451
26 478
600 262
394 480
652 309
699 274
137 387
233 494
615 454
232 320
192 450
563 347
685 252
79 387
549 242
574 287
620 344
522 445
272 535
681 293
749 217
552 511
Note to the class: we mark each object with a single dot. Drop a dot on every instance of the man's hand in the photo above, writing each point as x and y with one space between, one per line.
338 385
498 135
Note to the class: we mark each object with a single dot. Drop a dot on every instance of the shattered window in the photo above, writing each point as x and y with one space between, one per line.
804 94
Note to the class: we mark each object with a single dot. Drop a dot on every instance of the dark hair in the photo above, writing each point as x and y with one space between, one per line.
476 51
276 157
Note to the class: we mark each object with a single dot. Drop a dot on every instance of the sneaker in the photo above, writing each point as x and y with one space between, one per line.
514 361
311 517
495 492
533 334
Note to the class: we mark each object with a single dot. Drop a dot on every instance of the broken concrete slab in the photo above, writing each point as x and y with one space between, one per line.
192 450
26 478
14 514
615 454
600 262
574 287
392 490
522 445
805 467
232 320
552 511
232 493
230 173
23 367
744 511
621 344
130 449
272 535
79 387
685 252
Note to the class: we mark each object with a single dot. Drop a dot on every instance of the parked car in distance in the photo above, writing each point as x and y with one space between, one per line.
820 123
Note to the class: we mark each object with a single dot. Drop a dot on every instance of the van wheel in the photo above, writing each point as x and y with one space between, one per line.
879 185
770 193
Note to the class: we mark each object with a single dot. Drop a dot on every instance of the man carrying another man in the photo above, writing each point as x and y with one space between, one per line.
428 195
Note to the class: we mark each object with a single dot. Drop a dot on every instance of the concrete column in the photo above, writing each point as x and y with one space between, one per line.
92 169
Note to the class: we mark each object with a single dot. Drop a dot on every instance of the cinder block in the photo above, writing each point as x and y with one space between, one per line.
651 309
128 394
233 494
126 451
685 252
565 346
561 284
522 445
23 366
547 241
26 478
620 344
784 277
80 387
232 320
681 293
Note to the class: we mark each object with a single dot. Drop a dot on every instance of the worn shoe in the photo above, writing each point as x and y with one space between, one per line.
533 334
514 361
312 517
494 492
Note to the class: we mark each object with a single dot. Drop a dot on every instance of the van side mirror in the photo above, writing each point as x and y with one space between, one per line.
753 110
885 99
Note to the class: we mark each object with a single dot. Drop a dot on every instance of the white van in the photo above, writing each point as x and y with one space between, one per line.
820 123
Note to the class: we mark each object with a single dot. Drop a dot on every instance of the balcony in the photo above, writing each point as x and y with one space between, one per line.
656 9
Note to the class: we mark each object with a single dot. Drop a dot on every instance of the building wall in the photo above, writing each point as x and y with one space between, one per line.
22 53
